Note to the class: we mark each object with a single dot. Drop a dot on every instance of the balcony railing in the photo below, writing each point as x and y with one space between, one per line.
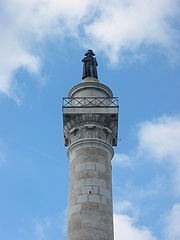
85 102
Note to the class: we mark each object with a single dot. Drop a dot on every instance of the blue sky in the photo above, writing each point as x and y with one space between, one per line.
137 49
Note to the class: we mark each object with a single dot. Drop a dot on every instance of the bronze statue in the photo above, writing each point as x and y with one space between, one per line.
90 65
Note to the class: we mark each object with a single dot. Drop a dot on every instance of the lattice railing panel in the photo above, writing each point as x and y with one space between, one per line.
84 102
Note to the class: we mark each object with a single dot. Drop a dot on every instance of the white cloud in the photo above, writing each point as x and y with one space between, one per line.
122 160
25 23
160 141
172 225
125 229
126 207
124 26
123 206
115 27
161 138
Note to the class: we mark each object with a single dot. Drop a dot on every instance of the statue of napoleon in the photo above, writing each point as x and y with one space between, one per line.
90 65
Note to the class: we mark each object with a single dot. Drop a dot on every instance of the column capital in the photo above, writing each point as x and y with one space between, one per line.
91 126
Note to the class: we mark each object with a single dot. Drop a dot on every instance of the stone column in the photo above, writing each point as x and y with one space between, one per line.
90 132
90 186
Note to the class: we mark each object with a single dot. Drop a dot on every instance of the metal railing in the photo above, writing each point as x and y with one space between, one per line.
85 102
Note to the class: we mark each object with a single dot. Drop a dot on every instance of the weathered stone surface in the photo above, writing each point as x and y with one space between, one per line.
92 219
99 126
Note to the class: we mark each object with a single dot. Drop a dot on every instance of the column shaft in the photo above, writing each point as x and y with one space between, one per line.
90 190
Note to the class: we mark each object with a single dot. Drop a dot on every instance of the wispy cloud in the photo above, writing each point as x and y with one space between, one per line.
126 207
158 143
159 140
25 24
172 223
125 26
119 29
41 227
122 160
44 227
